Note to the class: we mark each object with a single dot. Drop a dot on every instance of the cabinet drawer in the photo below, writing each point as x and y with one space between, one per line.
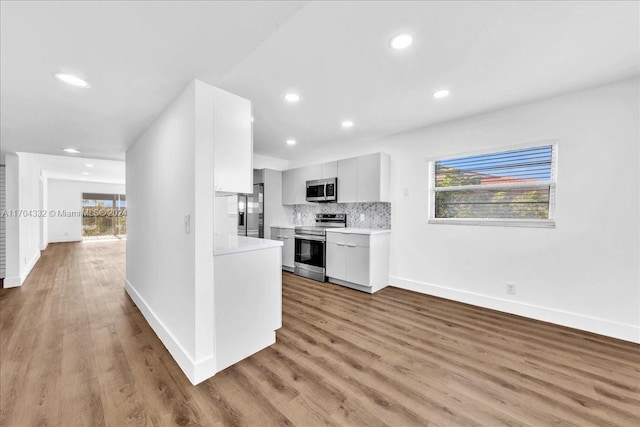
282 233
276 233
287 233
361 240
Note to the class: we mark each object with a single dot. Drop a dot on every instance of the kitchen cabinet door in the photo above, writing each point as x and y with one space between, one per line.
336 261
232 143
288 248
286 236
309 173
357 261
373 178
329 169
300 178
368 178
289 186
348 180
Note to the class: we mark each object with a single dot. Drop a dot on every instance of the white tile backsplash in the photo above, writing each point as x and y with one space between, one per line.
376 215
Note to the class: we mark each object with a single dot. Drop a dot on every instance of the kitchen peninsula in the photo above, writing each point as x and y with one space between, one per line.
211 299
248 296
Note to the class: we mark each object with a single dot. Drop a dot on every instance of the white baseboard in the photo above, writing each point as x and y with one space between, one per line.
12 282
65 239
15 281
204 369
573 320
32 263
196 372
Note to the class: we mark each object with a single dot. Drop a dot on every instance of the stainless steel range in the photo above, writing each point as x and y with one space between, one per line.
310 252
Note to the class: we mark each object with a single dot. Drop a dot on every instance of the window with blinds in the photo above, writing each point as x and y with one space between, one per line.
515 187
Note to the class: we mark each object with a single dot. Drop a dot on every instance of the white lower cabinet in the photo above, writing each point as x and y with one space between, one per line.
336 260
286 236
359 261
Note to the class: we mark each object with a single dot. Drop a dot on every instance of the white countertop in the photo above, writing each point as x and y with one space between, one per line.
231 243
288 226
353 230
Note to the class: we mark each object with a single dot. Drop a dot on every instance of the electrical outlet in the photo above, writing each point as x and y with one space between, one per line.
361 217
511 288
299 216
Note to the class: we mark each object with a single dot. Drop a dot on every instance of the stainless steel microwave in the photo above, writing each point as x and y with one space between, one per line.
322 190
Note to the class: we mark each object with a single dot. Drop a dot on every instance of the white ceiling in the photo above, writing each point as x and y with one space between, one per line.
73 168
138 56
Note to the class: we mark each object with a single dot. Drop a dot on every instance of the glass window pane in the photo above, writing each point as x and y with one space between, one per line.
496 203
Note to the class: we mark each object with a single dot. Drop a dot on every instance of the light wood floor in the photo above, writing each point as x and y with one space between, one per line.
76 351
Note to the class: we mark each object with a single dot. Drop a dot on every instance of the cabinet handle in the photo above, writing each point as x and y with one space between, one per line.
340 244
351 246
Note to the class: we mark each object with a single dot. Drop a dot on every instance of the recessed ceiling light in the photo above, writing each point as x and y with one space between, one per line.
401 41
89 165
347 124
72 80
71 150
291 141
292 97
85 173
441 93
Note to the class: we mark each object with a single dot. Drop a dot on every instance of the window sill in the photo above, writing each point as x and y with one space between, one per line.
503 222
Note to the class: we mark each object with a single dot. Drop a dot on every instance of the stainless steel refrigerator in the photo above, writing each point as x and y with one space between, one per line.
251 213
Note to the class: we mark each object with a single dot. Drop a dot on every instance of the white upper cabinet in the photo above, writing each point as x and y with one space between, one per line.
289 180
360 179
364 179
294 184
309 173
348 180
373 178
233 143
329 169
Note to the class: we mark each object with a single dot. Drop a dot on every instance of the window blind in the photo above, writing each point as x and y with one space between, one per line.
514 184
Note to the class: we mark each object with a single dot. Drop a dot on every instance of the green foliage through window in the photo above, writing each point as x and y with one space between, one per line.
104 215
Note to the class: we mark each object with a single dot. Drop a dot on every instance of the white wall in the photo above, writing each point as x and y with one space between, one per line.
23 232
585 273
261 161
169 270
66 195
12 277
226 222
44 206
29 195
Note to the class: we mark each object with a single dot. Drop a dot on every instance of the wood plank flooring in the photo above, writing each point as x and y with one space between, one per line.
76 351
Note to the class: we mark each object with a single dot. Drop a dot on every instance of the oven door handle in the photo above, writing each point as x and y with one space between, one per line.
314 238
